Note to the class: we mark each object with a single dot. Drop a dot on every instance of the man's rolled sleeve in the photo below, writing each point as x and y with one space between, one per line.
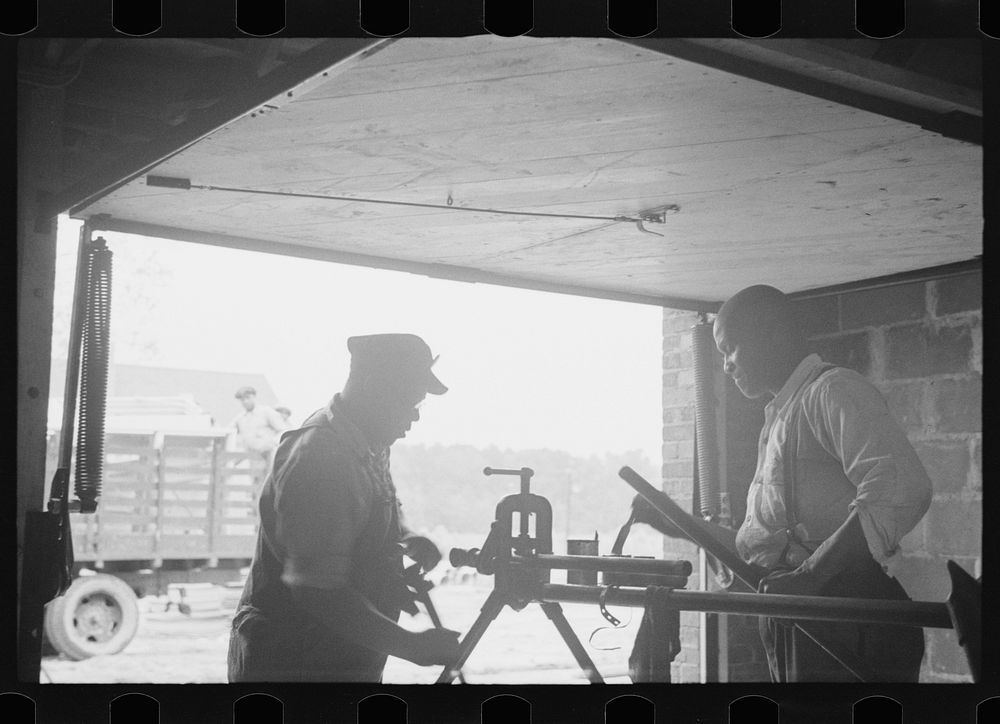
319 507
893 489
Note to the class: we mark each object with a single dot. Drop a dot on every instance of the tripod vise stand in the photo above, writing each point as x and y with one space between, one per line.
515 586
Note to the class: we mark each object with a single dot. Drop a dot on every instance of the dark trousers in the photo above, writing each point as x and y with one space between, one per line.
893 652
292 648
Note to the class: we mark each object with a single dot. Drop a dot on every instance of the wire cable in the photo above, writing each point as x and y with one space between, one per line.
167 182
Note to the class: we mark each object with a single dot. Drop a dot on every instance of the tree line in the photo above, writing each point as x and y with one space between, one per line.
444 485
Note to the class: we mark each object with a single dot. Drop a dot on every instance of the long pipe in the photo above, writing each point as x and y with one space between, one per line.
700 533
706 437
696 530
819 608
606 563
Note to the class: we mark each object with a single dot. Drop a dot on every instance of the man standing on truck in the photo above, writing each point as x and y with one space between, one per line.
837 486
258 426
326 584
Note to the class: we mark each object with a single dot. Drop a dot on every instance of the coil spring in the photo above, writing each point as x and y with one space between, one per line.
94 362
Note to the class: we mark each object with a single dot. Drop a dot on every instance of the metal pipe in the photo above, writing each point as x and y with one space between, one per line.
606 563
925 614
750 575
706 433
696 530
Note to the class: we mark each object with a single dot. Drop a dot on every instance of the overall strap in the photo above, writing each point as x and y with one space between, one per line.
789 468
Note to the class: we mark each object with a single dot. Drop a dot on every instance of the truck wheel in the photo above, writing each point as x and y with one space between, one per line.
97 615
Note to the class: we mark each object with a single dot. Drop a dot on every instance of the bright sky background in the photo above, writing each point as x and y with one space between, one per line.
524 369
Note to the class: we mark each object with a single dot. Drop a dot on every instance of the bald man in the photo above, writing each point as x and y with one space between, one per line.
837 486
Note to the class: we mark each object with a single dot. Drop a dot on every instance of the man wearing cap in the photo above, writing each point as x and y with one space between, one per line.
326 587
259 426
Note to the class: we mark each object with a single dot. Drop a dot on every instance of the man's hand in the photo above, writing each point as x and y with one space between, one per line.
843 551
799 582
423 551
645 513
435 646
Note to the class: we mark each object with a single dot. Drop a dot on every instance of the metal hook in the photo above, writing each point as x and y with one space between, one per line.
643 229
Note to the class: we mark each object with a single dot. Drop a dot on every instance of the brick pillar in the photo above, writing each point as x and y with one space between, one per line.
678 466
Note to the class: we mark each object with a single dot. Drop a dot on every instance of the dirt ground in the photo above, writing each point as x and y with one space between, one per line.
518 648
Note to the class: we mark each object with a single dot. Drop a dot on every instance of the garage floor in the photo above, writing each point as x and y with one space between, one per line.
518 648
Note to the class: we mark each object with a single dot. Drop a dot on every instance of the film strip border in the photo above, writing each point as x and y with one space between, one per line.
734 703
471 705
390 18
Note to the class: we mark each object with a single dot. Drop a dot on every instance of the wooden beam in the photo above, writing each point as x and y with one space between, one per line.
942 271
840 63
766 63
330 56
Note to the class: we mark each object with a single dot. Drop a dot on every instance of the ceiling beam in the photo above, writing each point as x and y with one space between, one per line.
471 275
911 71
849 80
941 271
328 57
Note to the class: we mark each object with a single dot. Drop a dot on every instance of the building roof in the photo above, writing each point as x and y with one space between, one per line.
211 390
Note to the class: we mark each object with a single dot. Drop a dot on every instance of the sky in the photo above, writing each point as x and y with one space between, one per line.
525 369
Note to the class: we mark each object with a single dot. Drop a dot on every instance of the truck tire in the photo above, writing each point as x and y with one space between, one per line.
97 615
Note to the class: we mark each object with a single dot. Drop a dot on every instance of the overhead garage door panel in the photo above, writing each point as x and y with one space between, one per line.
766 184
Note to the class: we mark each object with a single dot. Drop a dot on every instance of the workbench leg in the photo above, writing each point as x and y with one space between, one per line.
424 597
555 613
490 610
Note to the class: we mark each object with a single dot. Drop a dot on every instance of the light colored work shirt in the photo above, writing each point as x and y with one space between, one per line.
260 428
850 454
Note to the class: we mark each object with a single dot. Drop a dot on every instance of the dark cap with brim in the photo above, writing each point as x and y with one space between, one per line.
403 357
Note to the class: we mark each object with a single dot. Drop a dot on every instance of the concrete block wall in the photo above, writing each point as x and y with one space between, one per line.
921 344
